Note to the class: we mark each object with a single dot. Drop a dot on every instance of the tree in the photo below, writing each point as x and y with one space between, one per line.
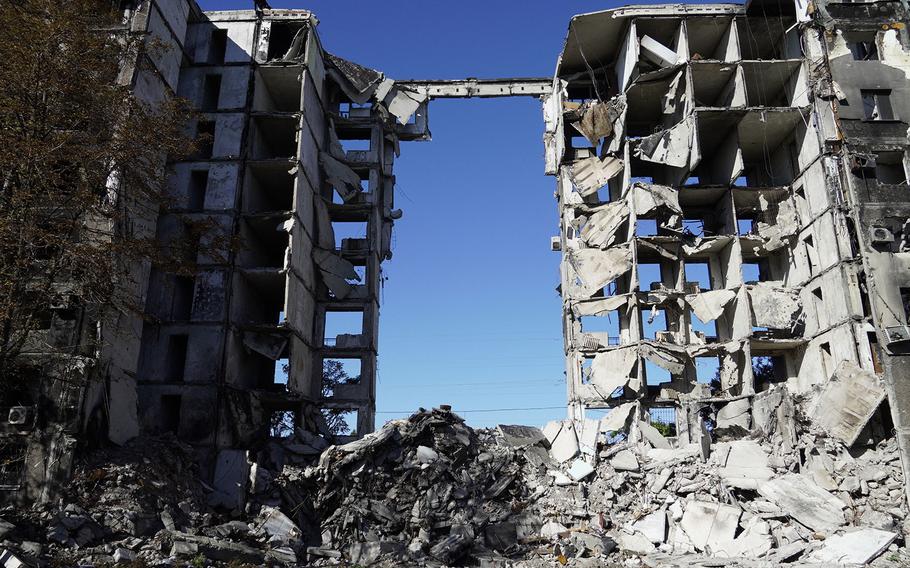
333 374
82 176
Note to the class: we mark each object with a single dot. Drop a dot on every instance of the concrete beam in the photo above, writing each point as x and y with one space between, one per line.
481 88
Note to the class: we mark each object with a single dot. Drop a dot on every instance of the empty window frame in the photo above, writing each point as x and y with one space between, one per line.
282 423
339 371
862 46
196 190
170 413
343 323
768 369
341 421
351 235
707 370
877 104
607 325
182 300
12 463
700 273
205 139
211 92
217 46
889 168
649 276
656 375
175 361
663 418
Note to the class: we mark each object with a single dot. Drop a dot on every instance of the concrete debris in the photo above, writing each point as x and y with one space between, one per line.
345 180
597 268
590 174
430 491
775 307
805 501
648 197
599 230
856 547
847 402
708 306
671 147
656 52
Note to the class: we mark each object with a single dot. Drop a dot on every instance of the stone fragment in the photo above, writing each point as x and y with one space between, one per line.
805 501
857 547
580 469
710 526
625 460
653 526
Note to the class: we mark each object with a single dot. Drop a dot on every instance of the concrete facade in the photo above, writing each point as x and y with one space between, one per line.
729 181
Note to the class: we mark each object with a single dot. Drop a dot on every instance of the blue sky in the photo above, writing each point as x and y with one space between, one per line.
470 315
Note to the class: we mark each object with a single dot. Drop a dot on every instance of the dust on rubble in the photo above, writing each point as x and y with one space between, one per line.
432 491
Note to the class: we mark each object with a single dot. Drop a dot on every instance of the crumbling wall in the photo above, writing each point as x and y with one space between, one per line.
745 274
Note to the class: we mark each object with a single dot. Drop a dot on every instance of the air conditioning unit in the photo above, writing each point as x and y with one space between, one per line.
555 244
18 415
881 235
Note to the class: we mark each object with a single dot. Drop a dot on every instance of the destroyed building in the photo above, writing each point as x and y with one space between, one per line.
731 192
732 189
295 173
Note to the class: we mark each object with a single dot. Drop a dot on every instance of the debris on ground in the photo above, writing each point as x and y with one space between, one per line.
432 491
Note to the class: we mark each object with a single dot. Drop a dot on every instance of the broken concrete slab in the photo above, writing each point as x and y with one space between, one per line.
601 225
708 306
635 543
746 465
671 147
590 174
774 307
580 469
597 268
855 547
625 460
653 437
735 413
847 402
805 501
653 526
710 526
617 418
565 445
657 52
232 473
520 436
345 180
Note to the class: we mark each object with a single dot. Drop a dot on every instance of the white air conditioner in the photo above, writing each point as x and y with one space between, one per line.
18 415
555 244
881 235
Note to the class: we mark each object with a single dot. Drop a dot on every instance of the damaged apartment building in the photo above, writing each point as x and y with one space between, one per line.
733 200
295 170
290 198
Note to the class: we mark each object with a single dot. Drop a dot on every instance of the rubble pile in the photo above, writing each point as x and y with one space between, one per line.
778 489
429 487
